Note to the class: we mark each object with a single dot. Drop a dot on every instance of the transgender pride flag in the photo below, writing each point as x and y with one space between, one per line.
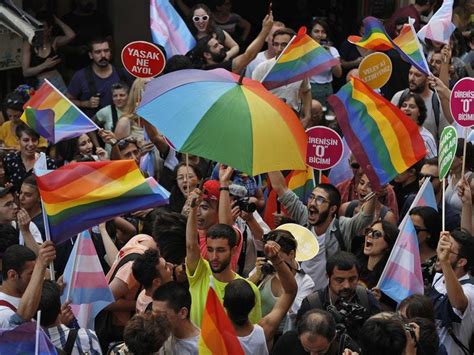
168 29
439 28
87 288
402 274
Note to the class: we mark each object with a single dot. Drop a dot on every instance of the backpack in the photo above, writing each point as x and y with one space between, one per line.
434 104
315 299
445 314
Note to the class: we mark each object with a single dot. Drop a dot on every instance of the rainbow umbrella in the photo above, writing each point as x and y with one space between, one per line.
215 115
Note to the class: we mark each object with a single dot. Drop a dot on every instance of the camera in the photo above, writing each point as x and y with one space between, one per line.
351 315
267 268
246 206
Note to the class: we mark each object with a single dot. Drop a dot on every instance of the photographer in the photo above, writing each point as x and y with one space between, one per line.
317 333
349 303
248 221
269 284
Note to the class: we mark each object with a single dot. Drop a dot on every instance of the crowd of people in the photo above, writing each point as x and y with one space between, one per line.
159 263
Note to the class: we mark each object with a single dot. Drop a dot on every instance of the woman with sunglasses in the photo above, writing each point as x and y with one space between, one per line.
202 24
427 223
380 238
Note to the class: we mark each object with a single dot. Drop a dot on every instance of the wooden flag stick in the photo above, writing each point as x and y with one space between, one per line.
443 211
464 152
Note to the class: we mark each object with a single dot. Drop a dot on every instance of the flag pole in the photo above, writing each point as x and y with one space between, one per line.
71 281
276 60
443 206
187 169
72 103
38 321
48 237
464 153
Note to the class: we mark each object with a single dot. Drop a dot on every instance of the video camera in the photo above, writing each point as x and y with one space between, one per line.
351 315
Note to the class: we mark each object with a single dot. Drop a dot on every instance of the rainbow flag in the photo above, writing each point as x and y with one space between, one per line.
302 183
406 44
78 196
22 340
439 28
402 275
410 47
218 336
168 29
53 116
87 287
375 38
379 134
302 58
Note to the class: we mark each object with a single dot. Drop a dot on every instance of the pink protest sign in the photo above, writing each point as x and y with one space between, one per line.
462 102
325 148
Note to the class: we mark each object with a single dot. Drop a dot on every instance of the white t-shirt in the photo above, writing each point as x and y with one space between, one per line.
260 58
173 345
463 330
316 267
288 93
325 77
34 232
255 342
430 143
6 312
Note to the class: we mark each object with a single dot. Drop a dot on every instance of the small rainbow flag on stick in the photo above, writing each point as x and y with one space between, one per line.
78 196
406 44
383 139
53 116
26 338
302 58
218 336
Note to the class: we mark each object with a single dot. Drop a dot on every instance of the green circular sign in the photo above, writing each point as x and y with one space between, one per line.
447 150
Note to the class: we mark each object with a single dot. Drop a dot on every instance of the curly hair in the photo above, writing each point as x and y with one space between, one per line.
419 103
145 333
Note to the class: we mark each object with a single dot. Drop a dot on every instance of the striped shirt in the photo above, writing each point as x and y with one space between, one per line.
86 340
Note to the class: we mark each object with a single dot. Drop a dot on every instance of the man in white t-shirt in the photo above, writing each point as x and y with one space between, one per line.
23 274
173 300
297 95
266 54
455 257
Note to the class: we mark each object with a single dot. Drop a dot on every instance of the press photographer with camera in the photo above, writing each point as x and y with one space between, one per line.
348 302
265 277
250 223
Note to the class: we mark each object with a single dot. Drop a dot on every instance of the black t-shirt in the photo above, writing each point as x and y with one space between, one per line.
289 343
227 65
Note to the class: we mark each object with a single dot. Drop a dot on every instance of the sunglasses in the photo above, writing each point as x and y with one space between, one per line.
355 165
199 18
376 234
419 229
422 176
124 142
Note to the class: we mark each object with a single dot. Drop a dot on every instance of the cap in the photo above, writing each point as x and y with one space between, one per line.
210 190
308 246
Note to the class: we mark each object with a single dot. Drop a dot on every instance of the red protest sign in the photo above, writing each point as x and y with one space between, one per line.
462 102
325 148
143 59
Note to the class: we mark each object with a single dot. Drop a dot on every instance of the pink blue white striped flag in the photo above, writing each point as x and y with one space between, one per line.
168 29
22 340
439 28
87 287
425 196
402 274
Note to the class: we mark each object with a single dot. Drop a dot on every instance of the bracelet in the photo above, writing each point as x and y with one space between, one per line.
224 189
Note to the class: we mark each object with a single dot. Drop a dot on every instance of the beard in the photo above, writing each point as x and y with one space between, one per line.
102 63
417 89
323 216
219 57
221 267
